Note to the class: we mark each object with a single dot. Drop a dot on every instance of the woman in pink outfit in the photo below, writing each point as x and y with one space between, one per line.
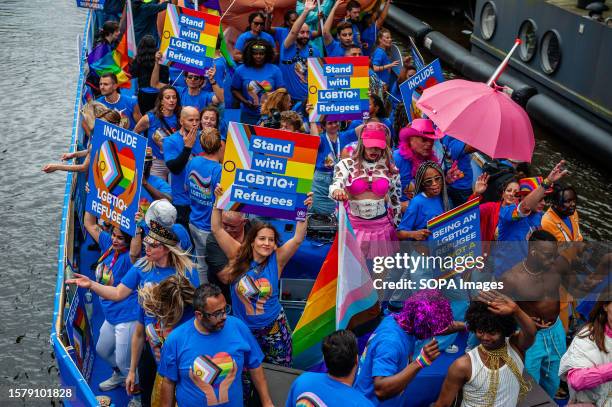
587 364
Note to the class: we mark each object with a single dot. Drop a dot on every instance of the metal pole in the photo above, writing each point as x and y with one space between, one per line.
503 64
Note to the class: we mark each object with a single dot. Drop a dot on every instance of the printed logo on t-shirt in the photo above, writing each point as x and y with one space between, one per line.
253 293
257 91
104 275
309 399
329 161
200 188
214 375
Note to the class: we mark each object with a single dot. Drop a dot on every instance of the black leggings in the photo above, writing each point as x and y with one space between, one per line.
147 369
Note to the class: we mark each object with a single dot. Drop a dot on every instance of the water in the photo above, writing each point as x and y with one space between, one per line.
38 77
589 179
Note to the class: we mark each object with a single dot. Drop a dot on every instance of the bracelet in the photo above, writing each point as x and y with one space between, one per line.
422 360
546 183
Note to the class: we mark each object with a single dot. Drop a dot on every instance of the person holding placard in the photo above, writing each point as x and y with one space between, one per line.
253 273
370 185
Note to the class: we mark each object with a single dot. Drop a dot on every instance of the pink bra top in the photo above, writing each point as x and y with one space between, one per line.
379 186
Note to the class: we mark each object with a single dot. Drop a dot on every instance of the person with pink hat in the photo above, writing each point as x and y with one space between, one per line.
415 147
370 186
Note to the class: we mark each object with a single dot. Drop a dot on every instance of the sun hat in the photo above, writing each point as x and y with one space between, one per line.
162 234
425 128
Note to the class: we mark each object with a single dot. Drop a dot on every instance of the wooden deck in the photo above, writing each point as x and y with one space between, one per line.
570 5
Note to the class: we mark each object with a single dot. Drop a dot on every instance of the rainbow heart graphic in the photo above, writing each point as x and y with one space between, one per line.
210 369
118 168
309 399
264 287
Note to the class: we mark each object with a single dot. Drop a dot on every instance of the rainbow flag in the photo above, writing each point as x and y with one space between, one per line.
342 297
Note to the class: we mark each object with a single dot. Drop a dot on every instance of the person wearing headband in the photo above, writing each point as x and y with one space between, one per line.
369 186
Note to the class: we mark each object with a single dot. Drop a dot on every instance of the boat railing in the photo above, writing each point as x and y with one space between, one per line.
65 349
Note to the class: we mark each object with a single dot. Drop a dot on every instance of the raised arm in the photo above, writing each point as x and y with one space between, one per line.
380 20
155 83
226 242
286 251
299 22
219 97
91 226
327 36
530 202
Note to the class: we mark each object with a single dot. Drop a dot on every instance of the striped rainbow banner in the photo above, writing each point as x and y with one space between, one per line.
453 213
240 159
357 81
197 32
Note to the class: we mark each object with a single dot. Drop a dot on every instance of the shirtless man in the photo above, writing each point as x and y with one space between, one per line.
534 284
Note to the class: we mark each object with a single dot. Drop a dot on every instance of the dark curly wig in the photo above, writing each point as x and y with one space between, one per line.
479 318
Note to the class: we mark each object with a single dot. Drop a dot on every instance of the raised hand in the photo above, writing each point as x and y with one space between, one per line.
431 350
158 57
218 190
309 5
481 184
558 172
189 139
498 303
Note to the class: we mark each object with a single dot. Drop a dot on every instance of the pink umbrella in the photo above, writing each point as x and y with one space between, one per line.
481 116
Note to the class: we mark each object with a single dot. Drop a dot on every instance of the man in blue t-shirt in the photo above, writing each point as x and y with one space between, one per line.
202 360
456 151
294 53
333 388
385 369
111 98
336 48
203 173
257 22
280 33
353 12
179 147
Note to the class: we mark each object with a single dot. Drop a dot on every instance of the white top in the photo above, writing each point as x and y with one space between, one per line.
476 388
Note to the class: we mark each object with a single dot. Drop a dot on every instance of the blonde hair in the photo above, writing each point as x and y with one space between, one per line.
167 300
210 140
274 101
178 259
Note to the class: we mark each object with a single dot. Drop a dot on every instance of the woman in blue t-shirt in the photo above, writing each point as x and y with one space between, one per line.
162 308
328 156
381 63
430 201
253 80
253 272
160 123
119 251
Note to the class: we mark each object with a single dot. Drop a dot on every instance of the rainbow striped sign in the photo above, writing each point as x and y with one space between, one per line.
115 175
189 39
338 88
267 172
457 232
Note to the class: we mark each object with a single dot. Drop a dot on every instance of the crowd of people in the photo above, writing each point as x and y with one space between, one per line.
191 303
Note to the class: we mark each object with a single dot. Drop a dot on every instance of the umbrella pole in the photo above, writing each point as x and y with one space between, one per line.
503 64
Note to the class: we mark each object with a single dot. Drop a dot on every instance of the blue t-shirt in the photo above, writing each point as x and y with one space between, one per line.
368 35
158 132
421 209
157 183
217 359
177 77
199 101
318 389
156 334
455 151
280 33
222 69
405 169
246 36
254 83
328 153
387 353
380 58
136 277
335 49
202 177
347 137
115 312
173 146
255 297
124 106
289 57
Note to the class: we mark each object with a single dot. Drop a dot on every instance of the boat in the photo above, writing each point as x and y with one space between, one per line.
564 54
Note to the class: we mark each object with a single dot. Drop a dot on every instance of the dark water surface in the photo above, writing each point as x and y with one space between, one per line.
38 75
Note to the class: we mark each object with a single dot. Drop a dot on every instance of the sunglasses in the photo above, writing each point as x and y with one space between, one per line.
152 244
218 314
194 77
258 23
431 181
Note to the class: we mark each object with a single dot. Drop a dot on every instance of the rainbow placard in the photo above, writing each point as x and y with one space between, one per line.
189 39
456 233
115 173
338 88
412 88
267 172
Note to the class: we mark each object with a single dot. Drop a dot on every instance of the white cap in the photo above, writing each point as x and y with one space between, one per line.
161 211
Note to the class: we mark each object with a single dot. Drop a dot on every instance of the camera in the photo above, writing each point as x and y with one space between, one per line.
274 120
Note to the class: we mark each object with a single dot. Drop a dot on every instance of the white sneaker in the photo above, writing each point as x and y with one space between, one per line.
112 382
452 349
135 402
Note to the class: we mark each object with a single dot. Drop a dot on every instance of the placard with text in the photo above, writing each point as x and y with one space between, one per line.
413 87
92 4
338 88
189 39
267 172
115 175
